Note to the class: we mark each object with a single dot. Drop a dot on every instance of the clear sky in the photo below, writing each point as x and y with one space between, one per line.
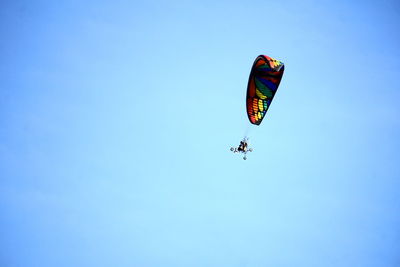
116 119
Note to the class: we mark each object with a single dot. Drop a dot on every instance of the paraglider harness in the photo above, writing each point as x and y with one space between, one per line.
242 148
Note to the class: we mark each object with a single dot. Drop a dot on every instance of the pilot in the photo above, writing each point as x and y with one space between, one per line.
242 147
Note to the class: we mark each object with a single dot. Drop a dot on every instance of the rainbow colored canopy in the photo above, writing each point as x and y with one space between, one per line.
265 76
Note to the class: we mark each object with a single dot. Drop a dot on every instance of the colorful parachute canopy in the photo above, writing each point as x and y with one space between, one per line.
265 76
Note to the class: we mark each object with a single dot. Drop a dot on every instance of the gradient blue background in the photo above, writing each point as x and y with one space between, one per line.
116 119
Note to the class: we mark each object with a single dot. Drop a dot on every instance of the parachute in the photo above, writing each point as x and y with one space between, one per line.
264 80
265 77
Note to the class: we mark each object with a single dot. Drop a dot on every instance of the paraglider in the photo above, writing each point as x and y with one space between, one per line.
265 77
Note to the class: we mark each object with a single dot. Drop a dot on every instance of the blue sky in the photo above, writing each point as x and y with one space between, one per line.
116 119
